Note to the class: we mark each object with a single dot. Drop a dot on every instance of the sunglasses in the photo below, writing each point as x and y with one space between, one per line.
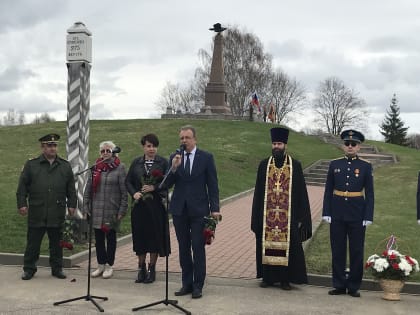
106 151
352 143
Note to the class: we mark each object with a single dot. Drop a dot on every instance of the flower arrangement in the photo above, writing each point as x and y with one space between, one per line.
210 228
153 178
391 264
68 230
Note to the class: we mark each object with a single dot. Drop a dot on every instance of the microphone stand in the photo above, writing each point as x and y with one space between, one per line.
88 296
165 301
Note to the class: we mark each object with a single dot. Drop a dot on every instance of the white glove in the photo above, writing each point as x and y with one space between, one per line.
418 221
366 223
327 219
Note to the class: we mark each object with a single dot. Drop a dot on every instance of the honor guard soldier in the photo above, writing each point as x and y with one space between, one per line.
348 207
46 187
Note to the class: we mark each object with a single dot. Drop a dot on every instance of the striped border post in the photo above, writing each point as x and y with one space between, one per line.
79 57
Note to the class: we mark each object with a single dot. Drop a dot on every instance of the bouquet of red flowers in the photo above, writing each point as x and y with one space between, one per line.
210 228
69 226
155 176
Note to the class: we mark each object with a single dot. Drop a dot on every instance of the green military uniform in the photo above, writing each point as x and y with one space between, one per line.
46 189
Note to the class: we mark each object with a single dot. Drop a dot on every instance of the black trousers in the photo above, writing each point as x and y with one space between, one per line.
105 254
34 238
354 233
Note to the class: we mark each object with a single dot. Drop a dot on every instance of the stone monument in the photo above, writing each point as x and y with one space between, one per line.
215 92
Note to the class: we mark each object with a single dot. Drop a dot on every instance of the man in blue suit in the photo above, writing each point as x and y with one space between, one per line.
348 207
196 195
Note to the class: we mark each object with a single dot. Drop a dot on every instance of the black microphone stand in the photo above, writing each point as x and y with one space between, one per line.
165 301
88 296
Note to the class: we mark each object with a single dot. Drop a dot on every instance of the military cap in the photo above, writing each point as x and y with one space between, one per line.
49 138
352 135
279 134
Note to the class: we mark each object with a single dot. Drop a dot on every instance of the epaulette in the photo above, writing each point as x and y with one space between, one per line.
340 158
365 160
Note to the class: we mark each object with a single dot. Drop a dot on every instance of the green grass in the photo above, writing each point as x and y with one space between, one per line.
238 146
395 212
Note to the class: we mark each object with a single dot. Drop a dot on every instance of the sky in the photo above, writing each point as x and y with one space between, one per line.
139 45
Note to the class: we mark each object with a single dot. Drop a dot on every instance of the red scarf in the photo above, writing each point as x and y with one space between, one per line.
102 166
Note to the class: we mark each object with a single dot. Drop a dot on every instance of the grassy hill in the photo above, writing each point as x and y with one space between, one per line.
238 146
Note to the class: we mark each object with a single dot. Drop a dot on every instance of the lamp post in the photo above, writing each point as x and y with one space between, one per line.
79 57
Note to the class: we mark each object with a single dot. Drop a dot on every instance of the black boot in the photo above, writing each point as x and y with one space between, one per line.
151 275
141 275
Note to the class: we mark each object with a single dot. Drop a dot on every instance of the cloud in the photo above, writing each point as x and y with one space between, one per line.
11 78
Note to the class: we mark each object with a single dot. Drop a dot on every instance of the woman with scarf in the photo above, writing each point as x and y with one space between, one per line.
105 201
148 216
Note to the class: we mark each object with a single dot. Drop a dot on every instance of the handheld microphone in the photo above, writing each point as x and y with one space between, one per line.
116 150
181 149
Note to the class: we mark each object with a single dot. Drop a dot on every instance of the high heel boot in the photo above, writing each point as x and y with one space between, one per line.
151 275
141 275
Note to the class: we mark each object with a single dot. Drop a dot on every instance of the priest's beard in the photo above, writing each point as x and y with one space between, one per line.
278 155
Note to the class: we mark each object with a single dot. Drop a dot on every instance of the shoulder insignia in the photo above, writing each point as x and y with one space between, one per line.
362 159
340 158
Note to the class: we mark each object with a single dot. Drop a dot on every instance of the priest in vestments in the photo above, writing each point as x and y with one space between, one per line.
281 216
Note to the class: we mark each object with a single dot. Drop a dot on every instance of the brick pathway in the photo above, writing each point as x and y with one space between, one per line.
232 254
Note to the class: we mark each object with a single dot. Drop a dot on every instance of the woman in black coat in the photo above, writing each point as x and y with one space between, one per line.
148 216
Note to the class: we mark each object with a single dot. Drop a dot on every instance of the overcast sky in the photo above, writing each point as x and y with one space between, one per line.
139 45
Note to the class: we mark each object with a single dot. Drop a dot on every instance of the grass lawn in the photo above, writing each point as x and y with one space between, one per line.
395 212
238 146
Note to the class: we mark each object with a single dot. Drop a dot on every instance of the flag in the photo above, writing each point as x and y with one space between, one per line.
271 113
255 101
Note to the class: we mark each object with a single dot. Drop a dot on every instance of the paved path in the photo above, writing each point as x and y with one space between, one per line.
232 254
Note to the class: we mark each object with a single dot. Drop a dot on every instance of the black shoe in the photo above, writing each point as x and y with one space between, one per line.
183 291
285 286
354 294
58 274
151 275
27 275
337 292
196 294
265 284
141 275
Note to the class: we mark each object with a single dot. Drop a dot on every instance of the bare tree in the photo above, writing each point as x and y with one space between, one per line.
287 95
10 118
44 118
413 141
178 99
338 106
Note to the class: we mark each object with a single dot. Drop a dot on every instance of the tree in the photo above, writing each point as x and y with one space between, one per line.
287 95
338 106
44 118
178 99
392 127
413 141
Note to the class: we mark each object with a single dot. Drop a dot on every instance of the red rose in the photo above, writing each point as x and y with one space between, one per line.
105 228
208 235
393 257
157 173
395 266
68 245
385 253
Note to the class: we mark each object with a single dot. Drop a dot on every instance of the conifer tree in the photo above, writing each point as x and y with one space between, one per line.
392 127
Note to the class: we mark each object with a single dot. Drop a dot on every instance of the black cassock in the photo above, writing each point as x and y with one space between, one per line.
300 227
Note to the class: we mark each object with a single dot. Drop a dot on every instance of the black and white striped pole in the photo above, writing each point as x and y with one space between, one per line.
79 58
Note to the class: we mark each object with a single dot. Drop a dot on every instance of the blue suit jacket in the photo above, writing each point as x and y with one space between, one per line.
353 175
198 193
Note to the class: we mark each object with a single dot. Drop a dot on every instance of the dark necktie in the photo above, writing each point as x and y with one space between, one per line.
188 164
